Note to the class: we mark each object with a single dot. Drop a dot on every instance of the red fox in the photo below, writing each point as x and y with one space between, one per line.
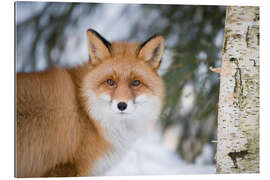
80 121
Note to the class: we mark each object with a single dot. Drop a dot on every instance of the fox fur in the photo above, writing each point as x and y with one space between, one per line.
69 121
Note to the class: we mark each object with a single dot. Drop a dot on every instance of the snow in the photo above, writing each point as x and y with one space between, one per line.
150 157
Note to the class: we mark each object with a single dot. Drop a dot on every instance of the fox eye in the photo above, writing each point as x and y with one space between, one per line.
111 82
135 83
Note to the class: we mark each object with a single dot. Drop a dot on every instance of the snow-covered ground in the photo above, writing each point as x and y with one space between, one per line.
150 157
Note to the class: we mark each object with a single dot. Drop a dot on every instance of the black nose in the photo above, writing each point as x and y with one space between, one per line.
122 106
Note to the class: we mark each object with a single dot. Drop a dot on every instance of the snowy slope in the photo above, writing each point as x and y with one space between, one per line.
150 157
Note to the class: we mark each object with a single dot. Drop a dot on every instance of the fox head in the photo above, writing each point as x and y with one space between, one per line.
123 89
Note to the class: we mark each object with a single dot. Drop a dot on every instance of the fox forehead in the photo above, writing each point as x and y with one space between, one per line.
122 68
124 49
124 63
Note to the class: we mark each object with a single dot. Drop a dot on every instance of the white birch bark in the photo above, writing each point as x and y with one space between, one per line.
238 109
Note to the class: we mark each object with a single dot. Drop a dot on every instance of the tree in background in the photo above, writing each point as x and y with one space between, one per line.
194 31
238 113
54 33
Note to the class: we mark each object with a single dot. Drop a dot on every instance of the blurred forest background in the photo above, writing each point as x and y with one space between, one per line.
50 34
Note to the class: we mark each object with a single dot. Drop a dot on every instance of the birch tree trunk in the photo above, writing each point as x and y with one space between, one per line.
238 109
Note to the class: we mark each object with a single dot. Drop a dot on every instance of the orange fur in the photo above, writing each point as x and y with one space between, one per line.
51 127
55 132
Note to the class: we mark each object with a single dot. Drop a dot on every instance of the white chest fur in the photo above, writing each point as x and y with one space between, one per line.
121 130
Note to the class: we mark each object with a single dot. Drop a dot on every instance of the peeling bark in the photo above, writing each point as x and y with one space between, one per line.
238 109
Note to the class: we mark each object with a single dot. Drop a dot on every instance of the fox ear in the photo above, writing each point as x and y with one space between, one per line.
151 50
99 48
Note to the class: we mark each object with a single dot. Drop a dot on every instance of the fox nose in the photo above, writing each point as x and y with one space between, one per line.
122 106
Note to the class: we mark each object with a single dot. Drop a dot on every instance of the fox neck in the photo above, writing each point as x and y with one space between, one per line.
122 130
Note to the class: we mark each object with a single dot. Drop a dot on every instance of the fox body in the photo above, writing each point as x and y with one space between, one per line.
80 121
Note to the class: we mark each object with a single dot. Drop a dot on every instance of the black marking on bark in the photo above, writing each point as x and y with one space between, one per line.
238 86
232 59
236 36
254 62
258 39
247 38
257 17
234 155
225 45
